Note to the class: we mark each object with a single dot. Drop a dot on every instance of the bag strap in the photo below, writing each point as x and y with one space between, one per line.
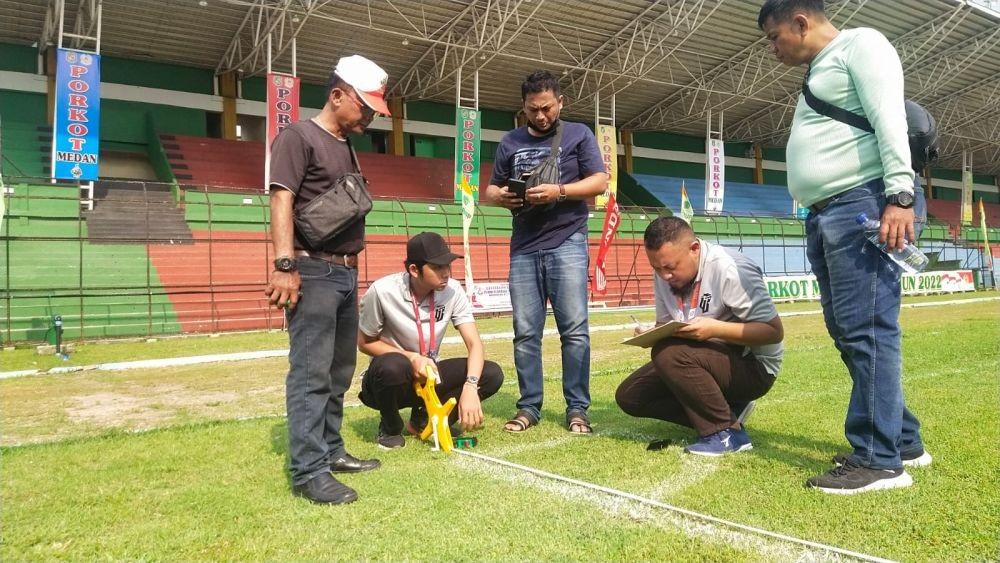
354 156
832 111
557 139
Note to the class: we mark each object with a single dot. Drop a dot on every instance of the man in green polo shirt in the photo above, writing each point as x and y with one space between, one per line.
839 171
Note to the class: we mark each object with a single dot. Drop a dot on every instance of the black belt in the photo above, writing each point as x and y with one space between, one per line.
349 260
821 204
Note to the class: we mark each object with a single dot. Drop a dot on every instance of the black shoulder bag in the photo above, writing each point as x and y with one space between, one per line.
545 172
920 124
329 213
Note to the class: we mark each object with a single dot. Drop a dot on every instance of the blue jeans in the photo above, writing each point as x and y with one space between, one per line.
860 296
559 275
323 337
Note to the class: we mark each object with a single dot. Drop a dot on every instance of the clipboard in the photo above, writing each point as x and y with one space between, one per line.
654 335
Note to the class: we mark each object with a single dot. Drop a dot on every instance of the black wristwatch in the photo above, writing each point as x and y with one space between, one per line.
902 199
286 264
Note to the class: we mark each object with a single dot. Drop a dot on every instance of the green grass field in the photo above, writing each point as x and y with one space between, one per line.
189 463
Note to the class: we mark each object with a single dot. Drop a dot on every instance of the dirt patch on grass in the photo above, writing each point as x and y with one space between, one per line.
110 410
147 408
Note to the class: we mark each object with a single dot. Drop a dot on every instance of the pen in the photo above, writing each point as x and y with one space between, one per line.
636 321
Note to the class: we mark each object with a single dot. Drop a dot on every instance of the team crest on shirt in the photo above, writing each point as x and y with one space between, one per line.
706 299
439 312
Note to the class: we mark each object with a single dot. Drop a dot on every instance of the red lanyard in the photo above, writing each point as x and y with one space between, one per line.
694 299
420 329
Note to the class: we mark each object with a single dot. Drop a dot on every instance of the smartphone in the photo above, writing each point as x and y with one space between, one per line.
518 186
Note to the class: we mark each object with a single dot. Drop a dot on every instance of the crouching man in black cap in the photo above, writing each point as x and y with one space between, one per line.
403 321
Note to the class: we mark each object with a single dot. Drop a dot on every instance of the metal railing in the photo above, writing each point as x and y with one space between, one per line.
145 279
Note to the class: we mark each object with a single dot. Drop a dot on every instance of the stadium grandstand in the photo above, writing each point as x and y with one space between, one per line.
174 236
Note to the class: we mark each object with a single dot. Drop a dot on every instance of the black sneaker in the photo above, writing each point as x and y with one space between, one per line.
851 478
388 441
910 459
325 489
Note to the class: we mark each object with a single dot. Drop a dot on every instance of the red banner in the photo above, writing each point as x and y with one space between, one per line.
612 219
282 111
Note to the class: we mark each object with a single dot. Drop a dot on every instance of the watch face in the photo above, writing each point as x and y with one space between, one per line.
284 264
904 199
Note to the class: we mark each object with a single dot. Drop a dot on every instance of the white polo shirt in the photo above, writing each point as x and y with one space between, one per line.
387 312
730 287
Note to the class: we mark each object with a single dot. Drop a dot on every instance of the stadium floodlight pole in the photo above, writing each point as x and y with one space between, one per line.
598 118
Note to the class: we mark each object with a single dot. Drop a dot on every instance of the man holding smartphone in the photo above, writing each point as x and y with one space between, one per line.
548 248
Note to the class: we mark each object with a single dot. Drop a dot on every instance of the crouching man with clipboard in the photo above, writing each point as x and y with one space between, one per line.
727 353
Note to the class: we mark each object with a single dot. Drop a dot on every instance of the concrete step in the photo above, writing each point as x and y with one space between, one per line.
137 213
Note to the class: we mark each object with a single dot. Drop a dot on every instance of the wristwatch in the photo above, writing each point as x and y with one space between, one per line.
285 264
474 381
562 193
902 199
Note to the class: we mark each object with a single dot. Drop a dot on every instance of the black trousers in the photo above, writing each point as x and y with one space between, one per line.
692 383
387 386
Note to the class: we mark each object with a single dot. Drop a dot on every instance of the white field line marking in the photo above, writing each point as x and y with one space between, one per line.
714 528
692 471
262 354
529 446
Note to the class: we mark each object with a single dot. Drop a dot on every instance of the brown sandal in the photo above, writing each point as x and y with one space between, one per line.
578 423
521 422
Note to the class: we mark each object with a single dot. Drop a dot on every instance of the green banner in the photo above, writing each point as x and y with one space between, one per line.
467 154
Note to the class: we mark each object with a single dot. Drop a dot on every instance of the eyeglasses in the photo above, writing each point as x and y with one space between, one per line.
366 112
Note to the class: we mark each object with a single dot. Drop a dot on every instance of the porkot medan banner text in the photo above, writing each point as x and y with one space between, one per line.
76 128
282 111
715 176
607 141
467 155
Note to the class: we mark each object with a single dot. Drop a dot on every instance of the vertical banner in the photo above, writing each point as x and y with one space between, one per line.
715 175
607 141
76 128
612 219
467 153
467 157
468 210
687 210
282 111
987 251
967 197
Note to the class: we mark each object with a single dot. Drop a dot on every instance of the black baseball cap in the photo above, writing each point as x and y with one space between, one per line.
429 248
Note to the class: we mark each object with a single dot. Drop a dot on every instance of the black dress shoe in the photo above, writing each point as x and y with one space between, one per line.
350 464
325 489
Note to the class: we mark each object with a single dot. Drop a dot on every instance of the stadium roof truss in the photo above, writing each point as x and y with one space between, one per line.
667 63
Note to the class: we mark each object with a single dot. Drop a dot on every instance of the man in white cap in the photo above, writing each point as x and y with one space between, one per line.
317 287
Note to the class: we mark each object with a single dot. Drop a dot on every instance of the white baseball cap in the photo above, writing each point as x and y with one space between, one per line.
367 78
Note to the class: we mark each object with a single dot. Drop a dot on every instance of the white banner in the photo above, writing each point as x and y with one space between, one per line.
805 288
715 175
490 297
494 297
